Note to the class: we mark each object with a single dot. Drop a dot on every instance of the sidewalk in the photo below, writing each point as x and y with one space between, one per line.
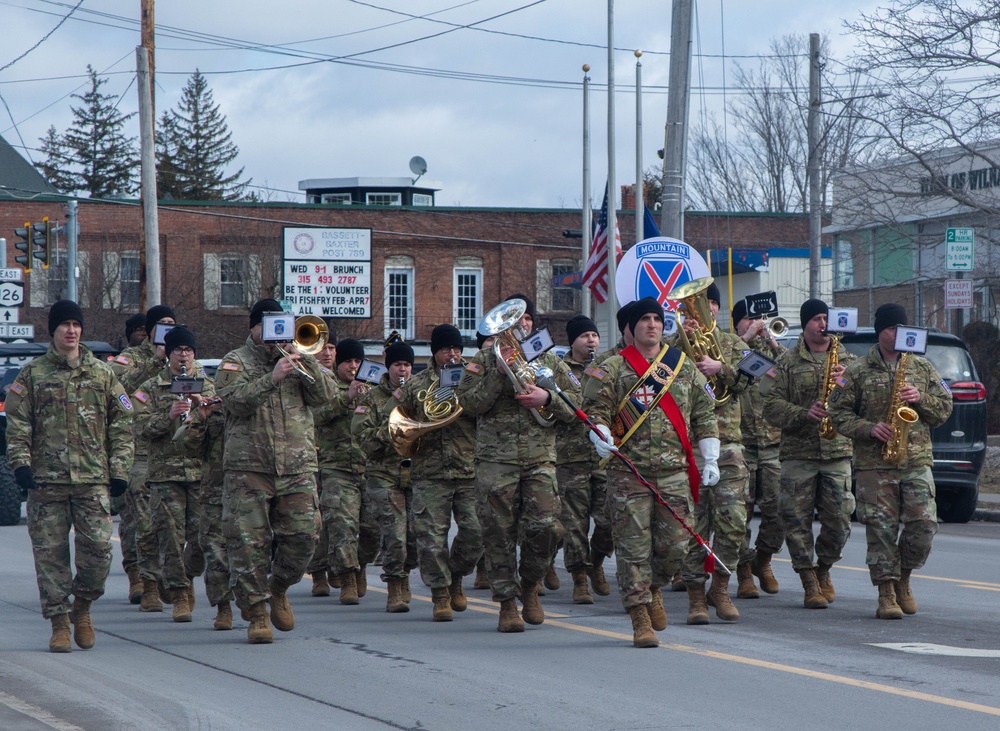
988 508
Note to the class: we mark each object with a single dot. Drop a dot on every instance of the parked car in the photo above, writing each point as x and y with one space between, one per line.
959 444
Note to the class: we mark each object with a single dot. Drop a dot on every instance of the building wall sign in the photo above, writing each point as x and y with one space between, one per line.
327 271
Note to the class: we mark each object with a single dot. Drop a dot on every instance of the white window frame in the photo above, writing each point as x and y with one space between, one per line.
407 330
476 272
422 199
392 199
212 280
341 198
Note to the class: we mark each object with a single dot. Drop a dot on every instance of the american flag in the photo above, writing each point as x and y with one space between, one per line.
595 273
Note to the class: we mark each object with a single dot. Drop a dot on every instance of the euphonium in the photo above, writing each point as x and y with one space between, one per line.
440 407
703 342
826 429
501 322
901 417
311 336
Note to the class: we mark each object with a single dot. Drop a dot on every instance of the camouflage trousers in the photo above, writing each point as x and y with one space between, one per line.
54 511
584 496
650 545
176 509
147 549
517 500
391 504
320 562
434 504
352 534
259 508
213 546
887 498
720 516
810 487
126 518
764 470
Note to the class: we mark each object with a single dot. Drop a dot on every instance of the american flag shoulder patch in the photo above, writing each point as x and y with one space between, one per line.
230 366
141 396
19 389
362 409
473 367
840 381
397 394
123 359
595 372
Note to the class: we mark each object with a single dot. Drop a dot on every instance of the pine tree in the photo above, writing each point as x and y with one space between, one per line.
57 164
105 160
194 148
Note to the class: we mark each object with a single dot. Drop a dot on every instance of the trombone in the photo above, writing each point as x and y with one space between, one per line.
311 336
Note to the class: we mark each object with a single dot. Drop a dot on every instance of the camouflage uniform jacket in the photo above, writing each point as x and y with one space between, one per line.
797 387
445 453
506 431
269 428
212 473
655 446
337 447
863 401
757 431
613 351
571 439
134 366
70 423
170 460
368 428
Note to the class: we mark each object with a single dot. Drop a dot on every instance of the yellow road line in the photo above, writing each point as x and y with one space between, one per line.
966 583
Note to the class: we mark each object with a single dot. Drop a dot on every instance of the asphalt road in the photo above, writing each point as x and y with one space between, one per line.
779 667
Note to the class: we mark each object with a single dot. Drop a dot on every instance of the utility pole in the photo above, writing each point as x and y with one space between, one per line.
586 214
812 167
151 229
612 189
146 276
72 242
675 134
640 201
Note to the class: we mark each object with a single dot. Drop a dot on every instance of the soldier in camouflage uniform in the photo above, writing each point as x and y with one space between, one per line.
444 484
582 483
174 466
319 567
387 478
889 494
516 476
650 543
722 508
270 463
760 449
352 534
134 366
68 442
815 471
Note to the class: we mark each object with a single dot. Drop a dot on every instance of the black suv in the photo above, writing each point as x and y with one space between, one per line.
960 443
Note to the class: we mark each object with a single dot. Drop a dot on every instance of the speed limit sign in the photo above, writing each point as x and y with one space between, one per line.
11 294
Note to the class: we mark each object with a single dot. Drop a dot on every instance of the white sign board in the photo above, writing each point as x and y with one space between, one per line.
11 294
17 331
960 244
11 275
328 271
957 294
9 315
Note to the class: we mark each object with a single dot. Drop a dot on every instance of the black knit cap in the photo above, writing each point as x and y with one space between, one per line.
178 336
62 311
262 306
156 313
480 339
444 336
579 325
739 311
397 352
642 307
811 308
134 322
889 315
623 317
530 312
333 333
349 349
713 294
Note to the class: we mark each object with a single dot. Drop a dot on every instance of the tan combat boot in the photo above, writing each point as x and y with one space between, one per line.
596 573
281 609
134 584
482 580
718 597
394 603
814 598
761 568
746 589
551 580
361 581
642 632
223 616
697 604
321 586
442 604
458 601
259 632
83 627
657 614
189 591
59 642
333 579
825 582
531 608
581 595
349 588
150 601
887 606
404 588
509 619
904 595
182 610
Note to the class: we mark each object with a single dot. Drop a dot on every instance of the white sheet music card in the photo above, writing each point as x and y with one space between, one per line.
755 365
277 328
842 320
911 340
370 371
537 344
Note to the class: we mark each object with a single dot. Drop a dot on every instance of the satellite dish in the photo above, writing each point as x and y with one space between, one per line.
418 166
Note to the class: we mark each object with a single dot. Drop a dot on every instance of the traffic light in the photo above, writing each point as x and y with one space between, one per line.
23 244
41 238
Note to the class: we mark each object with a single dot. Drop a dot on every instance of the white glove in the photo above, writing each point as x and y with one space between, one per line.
605 447
710 449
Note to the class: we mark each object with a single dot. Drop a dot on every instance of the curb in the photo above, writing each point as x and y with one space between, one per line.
986 515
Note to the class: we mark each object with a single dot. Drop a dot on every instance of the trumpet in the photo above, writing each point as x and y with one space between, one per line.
776 326
311 336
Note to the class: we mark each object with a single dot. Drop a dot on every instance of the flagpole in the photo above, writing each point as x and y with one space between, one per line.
587 214
612 189
640 198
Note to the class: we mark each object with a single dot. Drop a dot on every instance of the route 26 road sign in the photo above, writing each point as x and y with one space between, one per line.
11 294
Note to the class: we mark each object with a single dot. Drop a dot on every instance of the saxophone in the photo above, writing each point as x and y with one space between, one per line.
826 429
901 417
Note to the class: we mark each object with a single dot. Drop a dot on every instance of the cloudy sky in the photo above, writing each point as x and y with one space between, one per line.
344 88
